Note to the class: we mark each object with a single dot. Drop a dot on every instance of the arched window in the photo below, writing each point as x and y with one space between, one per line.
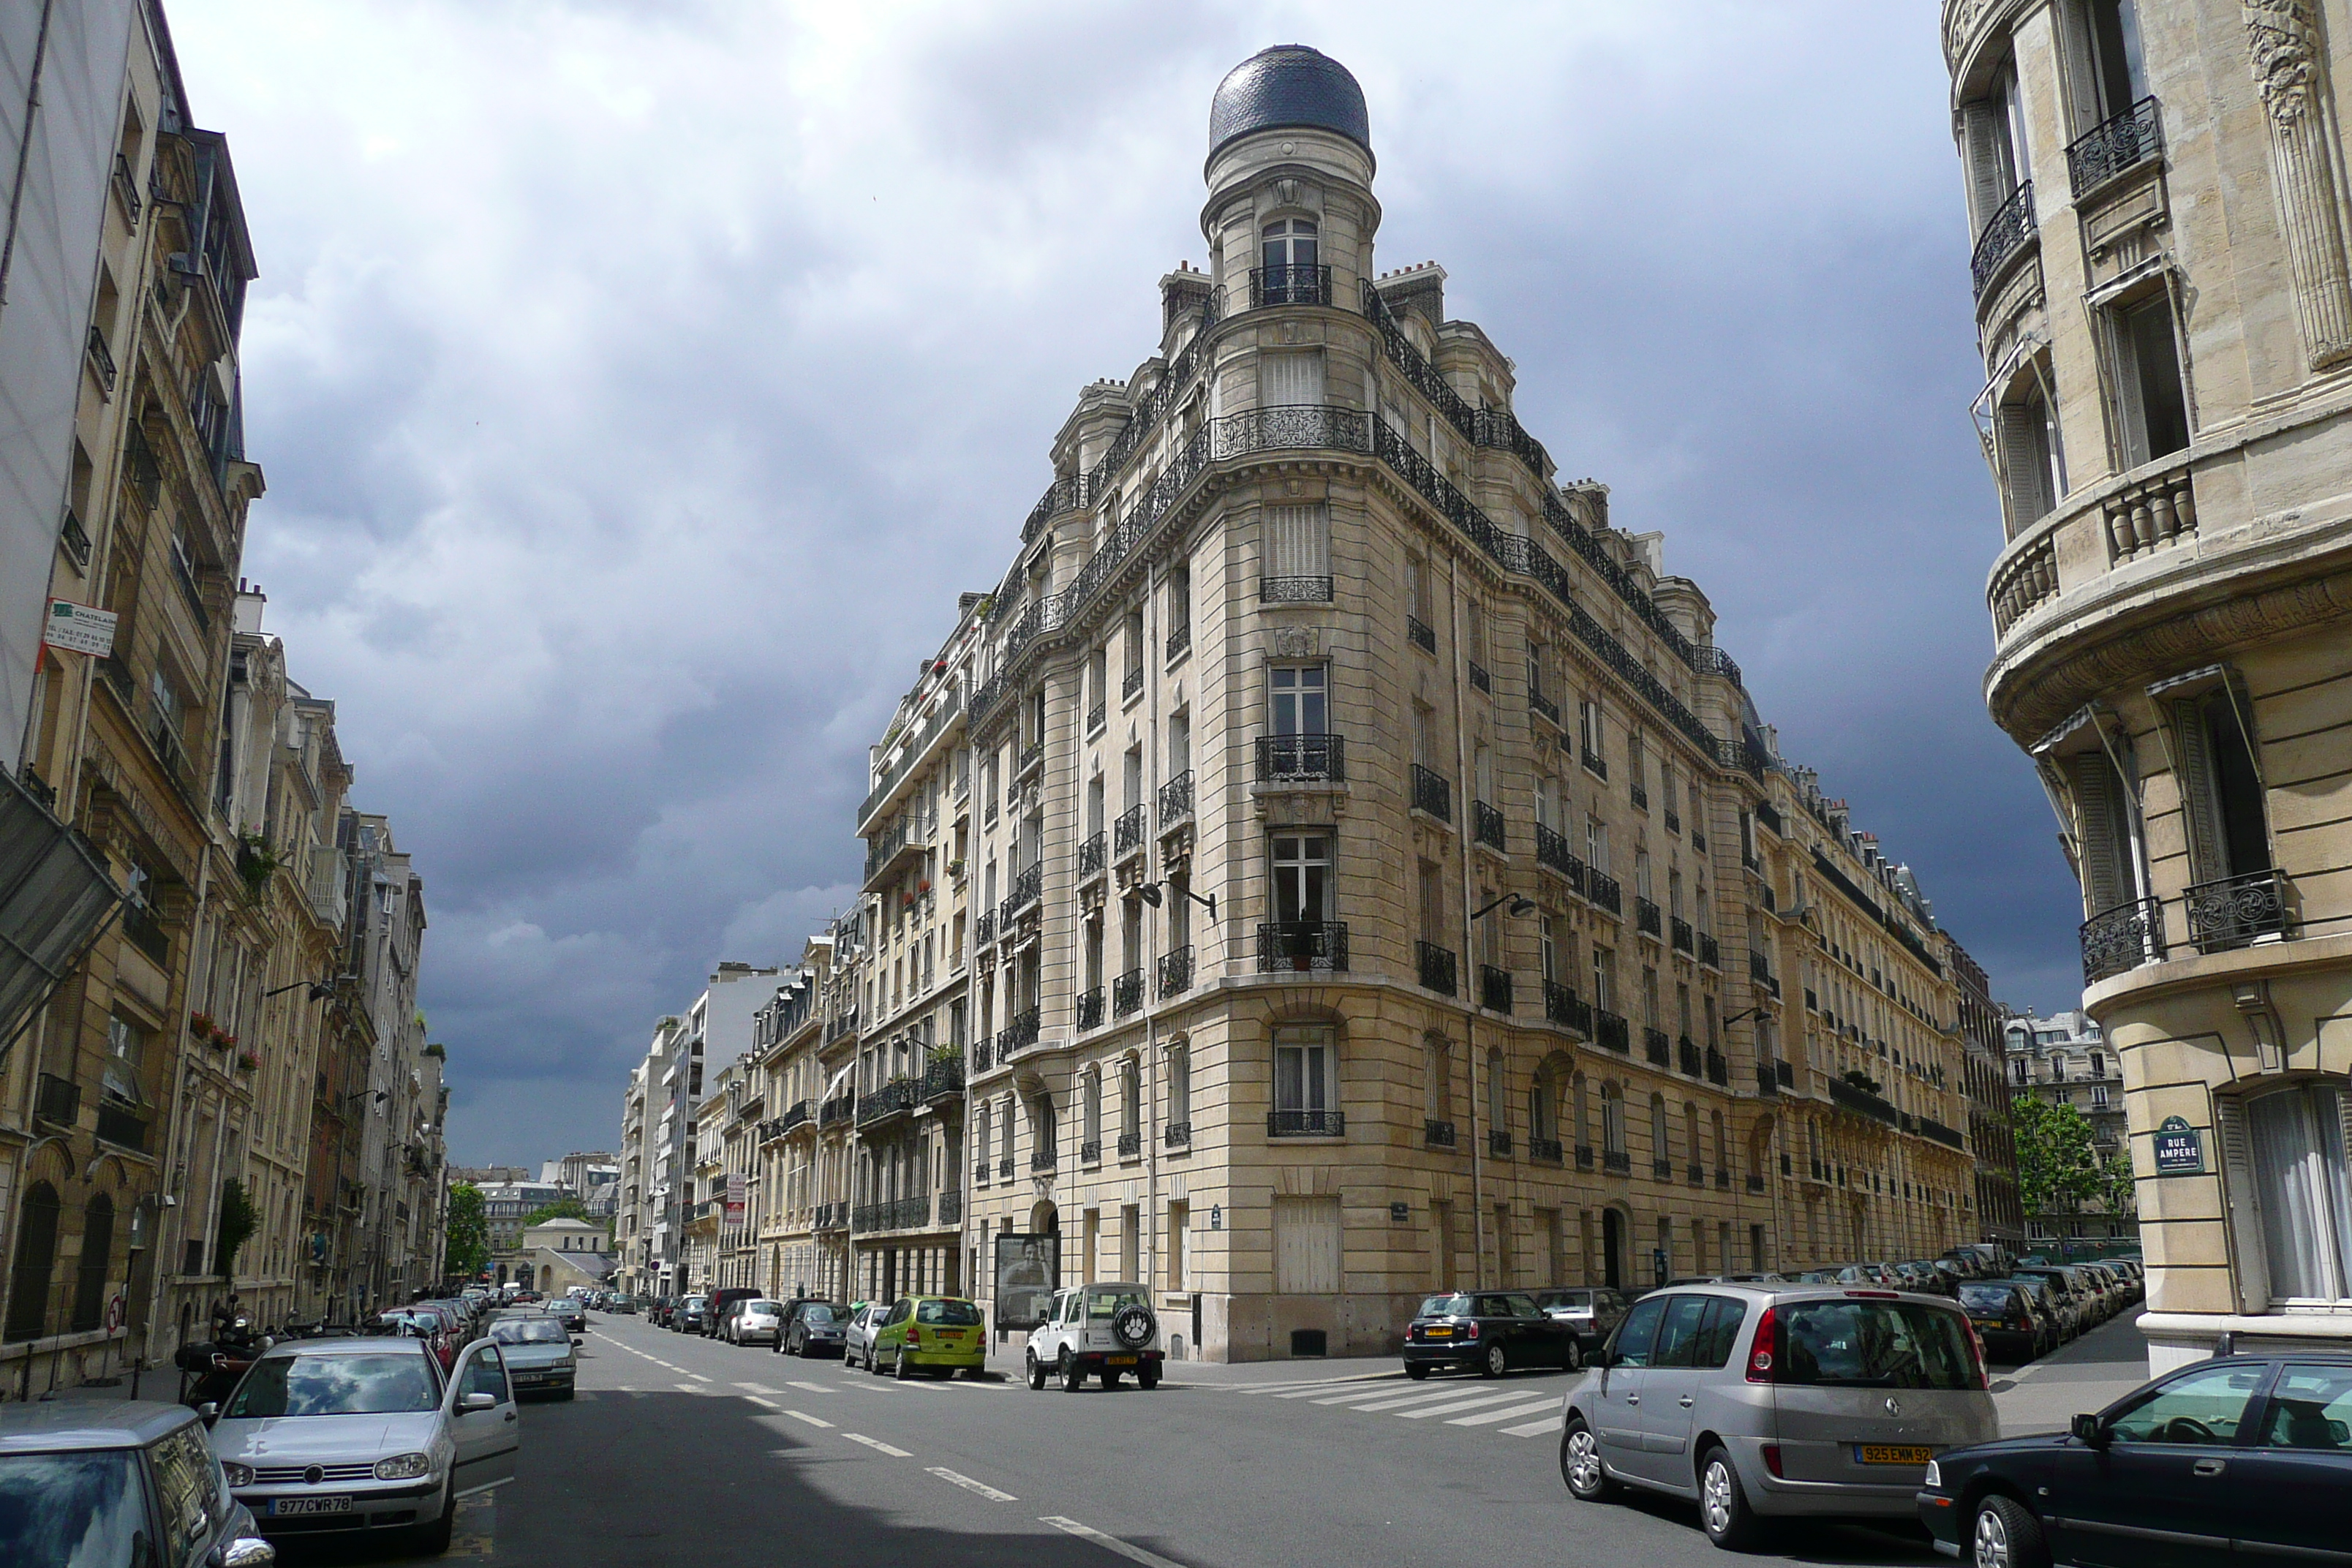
1179 1088
36 1253
1041 1131
1130 1108
1612 1121
1091 1144
1438 1074
1662 1148
979 1128
1290 251
1543 1124
1721 1148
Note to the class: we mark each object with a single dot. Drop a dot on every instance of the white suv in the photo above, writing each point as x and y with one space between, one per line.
1106 1330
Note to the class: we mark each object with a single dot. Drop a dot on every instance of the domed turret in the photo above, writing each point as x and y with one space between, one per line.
1288 86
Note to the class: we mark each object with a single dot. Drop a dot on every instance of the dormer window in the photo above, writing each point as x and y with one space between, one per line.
1289 273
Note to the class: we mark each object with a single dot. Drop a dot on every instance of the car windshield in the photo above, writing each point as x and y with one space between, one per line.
1875 1344
334 1385
948 1314
1985 1298
71 1510
530 1331
693 1301
1446 1306
816 1314
1105 1304
750 1306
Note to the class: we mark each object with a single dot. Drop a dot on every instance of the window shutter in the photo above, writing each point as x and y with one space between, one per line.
2201 801
2105 882
1980 129
2241 1203
2025 476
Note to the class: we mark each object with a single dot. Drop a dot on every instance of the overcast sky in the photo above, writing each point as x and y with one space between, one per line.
637 382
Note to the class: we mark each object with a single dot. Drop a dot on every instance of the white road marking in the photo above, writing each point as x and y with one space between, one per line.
1443 1394
756 1387
1552 1423
770 1404
878 1446
1372 1393
968 1484
691 1388
1110 1542
1309 1386
817 1387
698 1377
805 1416
1489 1418
1460 1405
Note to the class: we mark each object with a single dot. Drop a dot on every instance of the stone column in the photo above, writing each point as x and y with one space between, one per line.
2282 38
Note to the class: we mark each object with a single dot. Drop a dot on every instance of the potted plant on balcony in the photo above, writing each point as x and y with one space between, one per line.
247 1061
200 1025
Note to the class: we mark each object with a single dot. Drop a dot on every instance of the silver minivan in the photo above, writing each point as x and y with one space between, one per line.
1760 1401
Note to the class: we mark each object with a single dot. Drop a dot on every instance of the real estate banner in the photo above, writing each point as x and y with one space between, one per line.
78 628
1028 1270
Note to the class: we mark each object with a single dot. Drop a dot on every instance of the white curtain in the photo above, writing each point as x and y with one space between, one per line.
2305 1192
1299 540
1290 379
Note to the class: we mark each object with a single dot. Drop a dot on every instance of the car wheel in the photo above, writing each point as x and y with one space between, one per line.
1723 1508
1036 1370
569 1390
1574 1361
902 1371
2005 1534
1416 1371
1073 1379
1580 1464
1147 1378
1498 1362
1110 1379
433 1540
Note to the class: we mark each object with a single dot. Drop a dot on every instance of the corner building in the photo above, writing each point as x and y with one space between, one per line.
2164 302
1379 878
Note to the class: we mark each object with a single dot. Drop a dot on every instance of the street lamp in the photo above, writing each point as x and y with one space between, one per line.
1520 906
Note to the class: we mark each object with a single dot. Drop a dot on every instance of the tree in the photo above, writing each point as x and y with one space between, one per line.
2057 1166
562 1208
468 1244
238 1220
2118 1190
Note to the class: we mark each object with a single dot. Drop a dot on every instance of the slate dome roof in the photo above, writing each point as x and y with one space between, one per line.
1287 85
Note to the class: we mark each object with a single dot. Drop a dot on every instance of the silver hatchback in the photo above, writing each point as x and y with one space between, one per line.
1761 1401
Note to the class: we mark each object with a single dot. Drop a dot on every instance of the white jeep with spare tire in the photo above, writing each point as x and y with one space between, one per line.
1103 1331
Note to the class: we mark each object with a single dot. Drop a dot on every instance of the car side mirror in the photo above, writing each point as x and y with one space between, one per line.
2090 1432
577 1341
208 1412
469 1403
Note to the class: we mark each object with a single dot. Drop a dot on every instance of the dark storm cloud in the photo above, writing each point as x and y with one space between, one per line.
638 385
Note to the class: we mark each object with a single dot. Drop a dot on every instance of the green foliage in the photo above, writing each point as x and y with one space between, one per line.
468 1244
238 1220
562 1208
2057 1165
255 863
2118 1192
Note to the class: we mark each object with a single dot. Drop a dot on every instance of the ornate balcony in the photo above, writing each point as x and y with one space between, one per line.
1710 952
2122 938
1130 1145
1603 892
1090 1009
1292 283
983 927
1177 1135
1553 854
1646 918
1018 1035
1617 1162
1760 970
1611 1032
1026 888
1306 1124
1294 590
1564 1008
1126 993
1042 1160
1718 1069
1092 856
1005 1168
1494 988
2237 911
1486 825
1090 1152
1498 1143
894 1098
1678 933
942 1077
1686 1056
2005 233
1130 686
1434 964
1437 1135
1127 833
1175 971
1097 716
1431 792
1656 1049
1302 759
1302 947
2115 146
1640 794
1422 635
1176 800
1767 1080
1545 1151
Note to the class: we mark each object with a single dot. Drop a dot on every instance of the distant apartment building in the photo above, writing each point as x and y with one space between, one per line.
2065 1060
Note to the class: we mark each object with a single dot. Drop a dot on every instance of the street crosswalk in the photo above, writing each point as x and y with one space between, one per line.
1533 1409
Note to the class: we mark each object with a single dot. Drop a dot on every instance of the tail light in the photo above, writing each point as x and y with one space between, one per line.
1976 1348
1763 1352
914 1335
1470 1329
1772 1460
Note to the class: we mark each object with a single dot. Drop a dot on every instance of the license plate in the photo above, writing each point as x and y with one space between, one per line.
1439 1333
285 1507
1119 1361
1988 1322
1890 1454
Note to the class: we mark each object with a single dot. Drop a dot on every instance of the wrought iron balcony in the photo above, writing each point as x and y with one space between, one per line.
56 1100
1090 1009
1617 1161
1767 1080
1603 892
1688 1057
1754 1182
1674 820
1498 1143
1131 687
1290 283
951 1209
1090 1152
1760 970
1092 856
1545 706
2236 912
1434 964
1480 679
2122 938
1645 916
1640 794
1294 590
2115 145
1302 947
892 1098
983 927
1179 641
1494 988
1126 993
1127 833
1545 1151
942 1077
801 1114
1026 888
1553 854
1718 1069
1175 971
1018 1035
1564 1008
980 1171
1611 1032
1696 1173
1437 1135
1656 1049
1005 1168
1596 761
1431 792
1177 1135
839 1109
1424 636
1486 825
1663 1170
984 1054
1176 800
1678 933
1699 838
1306 1123
1307 759
1130 1145
1865 1102
2004 234
1097 716
1786 1073
1042 1160
1032 756
1584 1156
1710 952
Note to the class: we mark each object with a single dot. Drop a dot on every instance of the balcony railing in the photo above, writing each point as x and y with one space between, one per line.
1855 1098
1126 993
1424 636
1005 1168
2113 146
1498 1143
1656 1049
1486 825
1433 792
951 1209
1317 759
1679 933
56 1100
1546 1151
1018 1035
1663 1170
1710 952
1767 1080
1127 833
1645 916
1178 640
1302 947
1042 1160
1494 988
1090 1152
1026 888
1130 686
1437 1135
1091 855
1603 892
1553 854
1090 1009
983 928
1294 590
1306 1123
1674 820
839 1109
146 932
1718 1069
2005 233
1480 679
942 1077
1176 800
890 1100
1291 283
1177 1135
1596 761
2236 912
1611 1032
1686 1056
1097 716
1760 970
1434 964
1754 1182
1617 1161
1130 1145
2122 938
1640 794
1175 973
1565 1007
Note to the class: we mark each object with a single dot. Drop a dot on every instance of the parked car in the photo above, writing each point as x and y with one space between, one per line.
569 1310
812 1327
622 1303
715 1305
1763 1400
2074 1308
392 1444
690 1313
102 1483
1592 1311
1487 1331
857 1333
539 1353
2243 1458
942 1334
2007 1318
754 1320
410 1322
2045 1301
1106 1330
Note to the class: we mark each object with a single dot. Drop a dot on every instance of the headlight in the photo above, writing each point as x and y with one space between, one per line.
404 1466
1934 1482
238 1475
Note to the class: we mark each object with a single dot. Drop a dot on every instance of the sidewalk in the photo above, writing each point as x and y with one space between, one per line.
1006 1362
2089 1375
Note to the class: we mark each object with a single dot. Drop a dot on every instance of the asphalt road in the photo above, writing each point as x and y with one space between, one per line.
685 1450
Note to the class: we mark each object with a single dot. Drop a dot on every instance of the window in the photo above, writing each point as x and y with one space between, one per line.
1300 697
1596 844
1288 250
1604 966
1431 902
126 1047
2108 822
1499 1109
1130 1100
2221 786
1299 542
2311 1408
2152 413
1093 1137
1438 1074
1179 1086
2201 1407
36 1250
2119 73
97 1255
1302 878
2032 459
1661 1145
1305 1070
1612 1119
2288 1147
1994 130
1590 728
1290 379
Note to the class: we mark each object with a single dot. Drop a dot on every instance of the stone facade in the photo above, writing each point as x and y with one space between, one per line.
2160 267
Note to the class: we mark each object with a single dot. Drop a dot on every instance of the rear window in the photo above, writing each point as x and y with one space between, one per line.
816 1314
1874 1344
948 1314
1444 1307
1985 1298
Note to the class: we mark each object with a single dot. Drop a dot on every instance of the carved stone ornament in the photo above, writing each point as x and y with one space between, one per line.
1297 642
2281 38
2283 48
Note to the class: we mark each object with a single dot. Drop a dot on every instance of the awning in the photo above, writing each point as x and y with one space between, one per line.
55 898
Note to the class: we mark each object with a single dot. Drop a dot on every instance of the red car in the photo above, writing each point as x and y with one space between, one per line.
421 1323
